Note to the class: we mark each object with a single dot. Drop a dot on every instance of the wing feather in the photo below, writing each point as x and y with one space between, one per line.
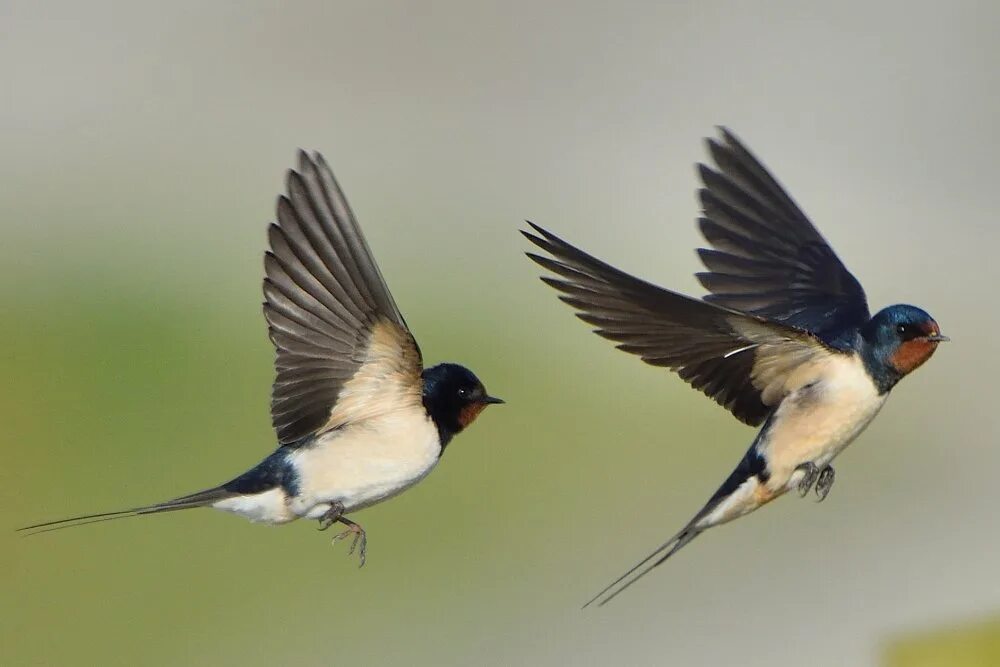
337 332
767 258
744 362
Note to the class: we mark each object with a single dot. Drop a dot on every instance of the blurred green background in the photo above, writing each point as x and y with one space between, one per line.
143 146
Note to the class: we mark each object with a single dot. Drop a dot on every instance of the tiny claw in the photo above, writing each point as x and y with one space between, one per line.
811 474
360 542
331 516
824 483
362 552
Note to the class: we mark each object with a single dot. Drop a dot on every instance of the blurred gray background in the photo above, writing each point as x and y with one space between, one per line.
143 147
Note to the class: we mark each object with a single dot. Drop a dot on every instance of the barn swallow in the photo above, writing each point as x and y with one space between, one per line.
358 418
784 339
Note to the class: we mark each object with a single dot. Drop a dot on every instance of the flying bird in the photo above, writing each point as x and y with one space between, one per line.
784 340
358 418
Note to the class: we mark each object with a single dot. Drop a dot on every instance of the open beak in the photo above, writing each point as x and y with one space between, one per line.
492 400
936 338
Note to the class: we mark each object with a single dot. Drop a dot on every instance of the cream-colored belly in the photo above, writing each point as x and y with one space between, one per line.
816 423
812 425
363 464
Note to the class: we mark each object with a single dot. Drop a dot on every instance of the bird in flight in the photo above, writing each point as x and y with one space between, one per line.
358 418
783 341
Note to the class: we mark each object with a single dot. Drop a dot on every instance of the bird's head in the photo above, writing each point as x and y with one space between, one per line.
902 338
454 397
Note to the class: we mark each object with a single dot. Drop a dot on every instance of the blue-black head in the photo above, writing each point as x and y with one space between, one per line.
897 340
454 397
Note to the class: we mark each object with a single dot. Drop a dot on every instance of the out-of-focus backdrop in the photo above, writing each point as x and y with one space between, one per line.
143 147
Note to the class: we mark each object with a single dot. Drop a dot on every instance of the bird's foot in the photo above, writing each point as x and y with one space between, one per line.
811 475
824 483
332 515
360 541
336 515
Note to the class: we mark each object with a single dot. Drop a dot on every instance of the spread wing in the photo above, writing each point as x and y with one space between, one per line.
766 257
746 363
344 352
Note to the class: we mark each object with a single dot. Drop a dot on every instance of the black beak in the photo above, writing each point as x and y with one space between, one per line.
492 400
936 338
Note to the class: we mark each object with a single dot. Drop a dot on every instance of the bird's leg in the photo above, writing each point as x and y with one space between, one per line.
824 483
811 474
360 539
336 515
332 515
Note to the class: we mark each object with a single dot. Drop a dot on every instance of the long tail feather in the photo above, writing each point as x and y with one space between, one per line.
200 499
671 546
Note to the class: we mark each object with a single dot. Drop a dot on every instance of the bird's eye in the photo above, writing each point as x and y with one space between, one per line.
463 393
903 329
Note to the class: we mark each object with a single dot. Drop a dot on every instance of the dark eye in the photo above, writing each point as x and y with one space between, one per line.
906 331
464 393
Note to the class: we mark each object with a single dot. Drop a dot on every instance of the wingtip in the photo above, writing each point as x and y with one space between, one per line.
321 162
546 240
716 150
310 162
537 240
293 178
283 211
554 283
727 134
536 228
537 259
304 165
704 278
727 141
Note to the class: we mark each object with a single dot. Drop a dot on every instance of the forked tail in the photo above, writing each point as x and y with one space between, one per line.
671 546
200 499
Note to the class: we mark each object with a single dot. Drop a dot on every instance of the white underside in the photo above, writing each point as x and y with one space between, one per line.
357 465
268 507
812 425
818 425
